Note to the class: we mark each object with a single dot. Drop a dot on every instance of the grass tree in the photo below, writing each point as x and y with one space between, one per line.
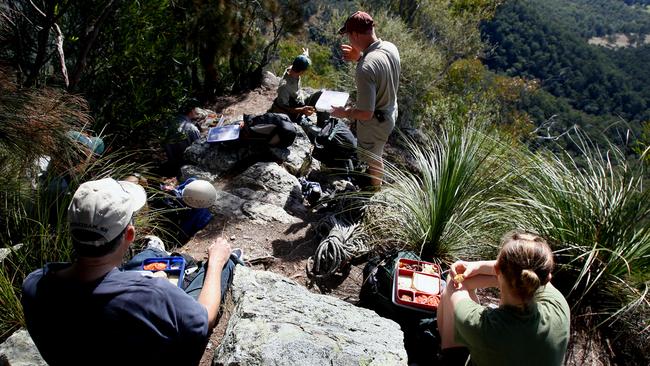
596 212
444 208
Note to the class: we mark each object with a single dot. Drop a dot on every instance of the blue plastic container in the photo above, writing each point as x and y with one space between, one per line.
174 267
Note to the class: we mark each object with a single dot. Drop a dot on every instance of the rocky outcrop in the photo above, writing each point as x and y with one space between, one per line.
264 192
20 350
270 81
217 158
278 322
4 252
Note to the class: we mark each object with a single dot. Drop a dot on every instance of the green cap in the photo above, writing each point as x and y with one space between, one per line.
300 63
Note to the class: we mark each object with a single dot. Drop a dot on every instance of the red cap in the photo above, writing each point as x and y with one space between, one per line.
359 22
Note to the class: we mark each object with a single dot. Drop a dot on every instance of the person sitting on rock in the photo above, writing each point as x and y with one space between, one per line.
531 324
180 135
91 312
292 100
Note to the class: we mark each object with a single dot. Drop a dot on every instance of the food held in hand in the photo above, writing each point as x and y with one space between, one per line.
155 266
404 281
432 300
426 283
459 278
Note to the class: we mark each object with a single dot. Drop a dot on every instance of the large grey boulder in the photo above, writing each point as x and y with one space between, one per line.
215 158
237 208
270 81
264 192
191 171
278 322
271 184
20 350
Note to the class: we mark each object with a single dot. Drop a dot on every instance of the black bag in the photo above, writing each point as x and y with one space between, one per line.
376 290
421 337
273 129
335 144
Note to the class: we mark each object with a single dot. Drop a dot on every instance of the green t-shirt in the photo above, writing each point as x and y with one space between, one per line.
508 336
290 94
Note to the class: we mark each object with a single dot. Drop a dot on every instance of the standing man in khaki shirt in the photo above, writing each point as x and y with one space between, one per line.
377 79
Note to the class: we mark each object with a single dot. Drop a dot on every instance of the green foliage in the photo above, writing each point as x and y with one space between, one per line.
422 65
11 311
589 18
532 45
596 215
452 26
445 209
134 61
321 75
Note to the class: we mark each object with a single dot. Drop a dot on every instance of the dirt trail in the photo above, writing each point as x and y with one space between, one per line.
276 247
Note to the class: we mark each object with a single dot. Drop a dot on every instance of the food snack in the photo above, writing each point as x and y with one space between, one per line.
410 267
459 278
432 300
429 268
173 279
406 297
404 281
425 283
155 266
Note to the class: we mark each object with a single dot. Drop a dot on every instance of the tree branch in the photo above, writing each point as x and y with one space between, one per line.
92 31
59 48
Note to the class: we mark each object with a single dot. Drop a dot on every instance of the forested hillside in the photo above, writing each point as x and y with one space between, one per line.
591 86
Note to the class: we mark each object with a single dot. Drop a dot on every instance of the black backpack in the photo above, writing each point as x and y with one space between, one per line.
273 129
421 337
335 144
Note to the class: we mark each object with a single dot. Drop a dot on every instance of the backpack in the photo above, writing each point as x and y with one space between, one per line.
377 287
335 144
421 337
273 129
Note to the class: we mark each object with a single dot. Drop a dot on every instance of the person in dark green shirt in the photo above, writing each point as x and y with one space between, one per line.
530 326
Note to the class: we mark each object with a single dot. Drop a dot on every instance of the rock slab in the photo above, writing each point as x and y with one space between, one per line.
278 322
20 350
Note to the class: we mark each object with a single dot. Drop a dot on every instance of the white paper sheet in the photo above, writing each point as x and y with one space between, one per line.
331 98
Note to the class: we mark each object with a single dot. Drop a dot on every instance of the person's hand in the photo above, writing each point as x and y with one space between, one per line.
305 51
350 53
461 270
307 110
339 112
219 252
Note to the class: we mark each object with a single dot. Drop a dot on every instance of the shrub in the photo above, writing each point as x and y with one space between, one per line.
595 211
446 208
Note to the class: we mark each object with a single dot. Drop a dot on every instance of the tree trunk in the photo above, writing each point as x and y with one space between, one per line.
43 42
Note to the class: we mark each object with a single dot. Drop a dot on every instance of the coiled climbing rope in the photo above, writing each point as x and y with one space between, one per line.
342 243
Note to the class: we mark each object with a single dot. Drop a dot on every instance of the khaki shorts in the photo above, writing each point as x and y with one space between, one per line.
371 138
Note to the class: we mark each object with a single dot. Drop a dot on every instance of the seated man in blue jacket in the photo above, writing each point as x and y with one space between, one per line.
91 313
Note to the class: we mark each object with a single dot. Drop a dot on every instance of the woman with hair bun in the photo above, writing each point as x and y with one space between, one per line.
530 326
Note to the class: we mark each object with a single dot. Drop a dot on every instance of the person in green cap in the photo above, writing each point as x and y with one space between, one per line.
292 100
